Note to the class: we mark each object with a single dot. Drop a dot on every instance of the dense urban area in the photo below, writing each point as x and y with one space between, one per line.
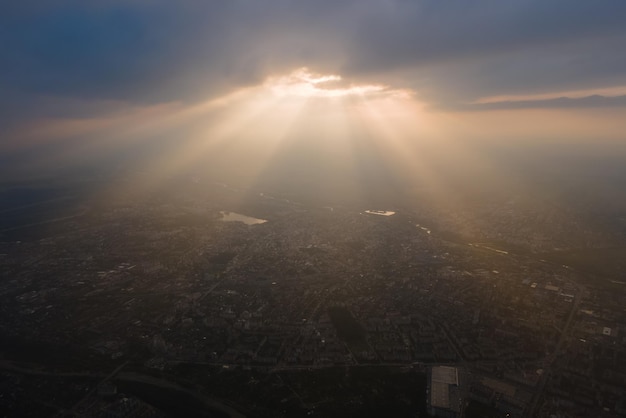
215 301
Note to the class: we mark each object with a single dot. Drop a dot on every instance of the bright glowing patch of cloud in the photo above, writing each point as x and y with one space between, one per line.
304 83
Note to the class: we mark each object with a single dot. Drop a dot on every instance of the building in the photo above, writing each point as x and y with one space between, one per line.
444 397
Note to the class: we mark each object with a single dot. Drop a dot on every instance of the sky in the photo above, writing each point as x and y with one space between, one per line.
282 80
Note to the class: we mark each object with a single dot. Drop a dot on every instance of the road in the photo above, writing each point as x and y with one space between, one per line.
557 350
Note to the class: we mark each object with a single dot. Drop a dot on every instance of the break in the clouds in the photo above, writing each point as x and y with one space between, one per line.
452 54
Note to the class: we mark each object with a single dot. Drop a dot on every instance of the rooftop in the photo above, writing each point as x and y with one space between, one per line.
439 396
445 374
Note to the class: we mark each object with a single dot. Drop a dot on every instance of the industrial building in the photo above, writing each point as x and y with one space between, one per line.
444 399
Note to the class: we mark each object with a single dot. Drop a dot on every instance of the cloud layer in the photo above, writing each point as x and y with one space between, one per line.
160 51
58 54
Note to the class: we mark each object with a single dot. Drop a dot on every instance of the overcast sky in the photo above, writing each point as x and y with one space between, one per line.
85 59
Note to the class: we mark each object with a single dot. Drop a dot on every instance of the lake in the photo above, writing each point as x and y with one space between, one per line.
238 217
380 212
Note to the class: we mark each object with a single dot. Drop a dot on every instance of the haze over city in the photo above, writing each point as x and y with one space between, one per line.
281 193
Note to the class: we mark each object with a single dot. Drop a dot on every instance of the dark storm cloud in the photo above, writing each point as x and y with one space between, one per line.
460 51
119 51
156 51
